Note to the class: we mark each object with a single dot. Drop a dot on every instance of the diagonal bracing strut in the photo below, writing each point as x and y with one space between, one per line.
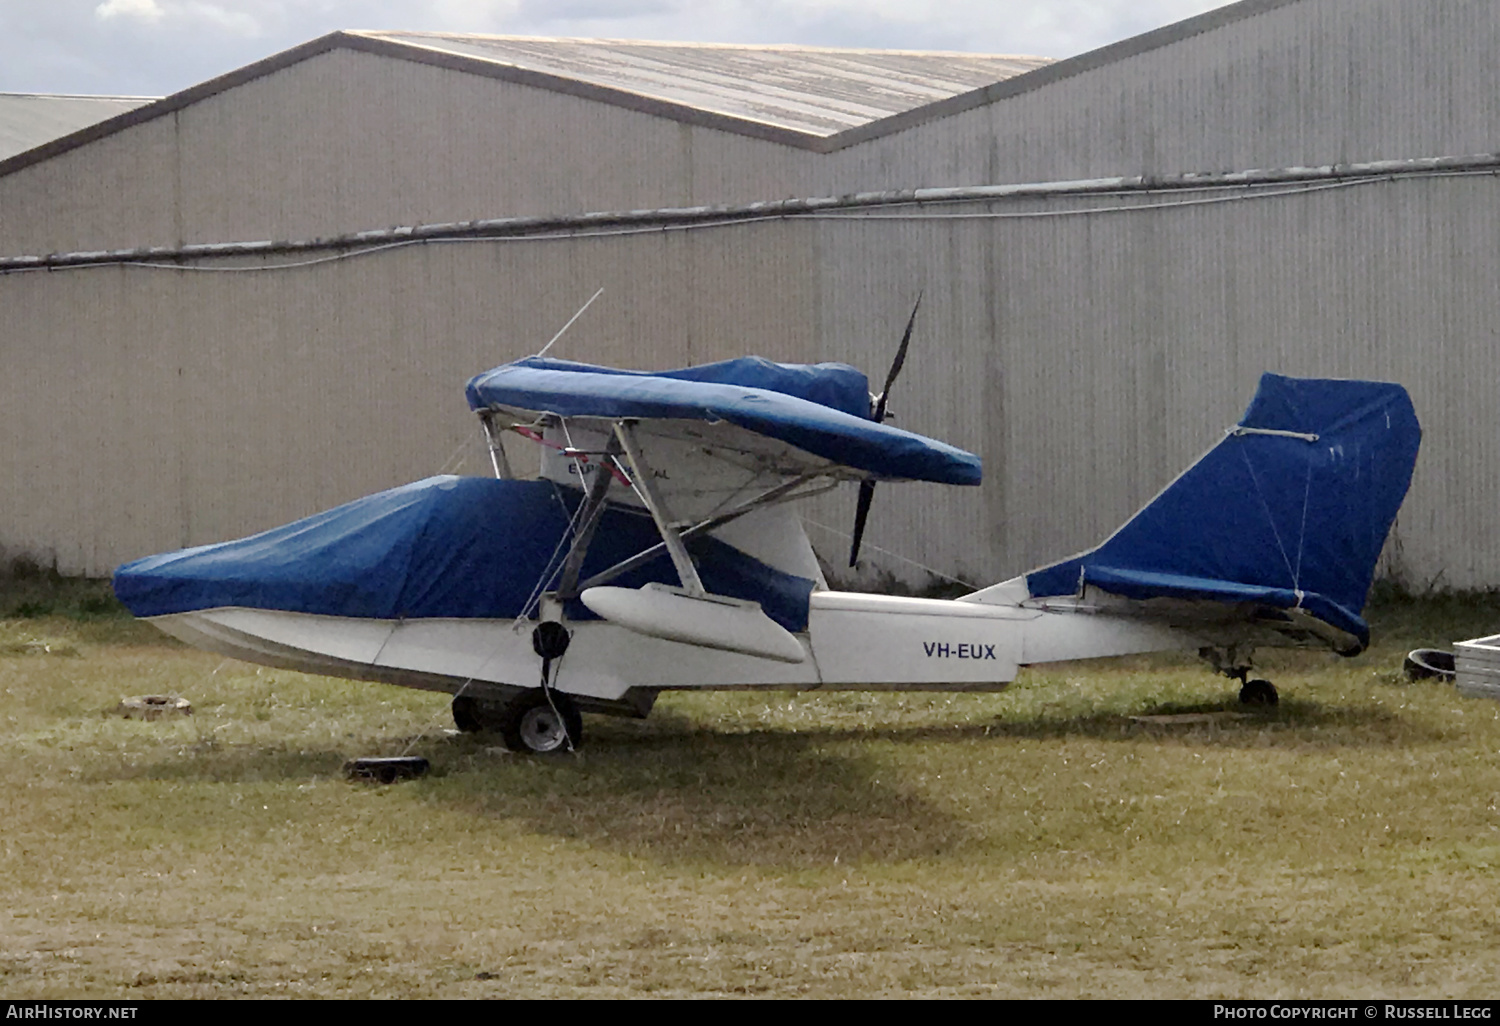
593 511
782 492
640 472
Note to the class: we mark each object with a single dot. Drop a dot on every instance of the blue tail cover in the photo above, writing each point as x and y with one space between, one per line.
1279 520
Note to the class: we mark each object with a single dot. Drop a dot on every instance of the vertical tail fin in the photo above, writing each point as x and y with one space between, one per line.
1289 510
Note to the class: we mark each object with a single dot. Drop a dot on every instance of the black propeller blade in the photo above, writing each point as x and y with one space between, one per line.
877 414
861 514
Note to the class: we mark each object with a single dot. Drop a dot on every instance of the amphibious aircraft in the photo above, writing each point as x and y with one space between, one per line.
657 548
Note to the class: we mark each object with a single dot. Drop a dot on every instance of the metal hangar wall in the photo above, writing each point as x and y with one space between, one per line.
1088 341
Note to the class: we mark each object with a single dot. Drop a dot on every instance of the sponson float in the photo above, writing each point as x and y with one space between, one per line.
657 549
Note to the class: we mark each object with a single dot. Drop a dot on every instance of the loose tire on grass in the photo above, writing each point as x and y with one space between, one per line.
386 770
1429 663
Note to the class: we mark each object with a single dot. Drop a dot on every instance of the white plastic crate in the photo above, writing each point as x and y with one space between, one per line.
1477 664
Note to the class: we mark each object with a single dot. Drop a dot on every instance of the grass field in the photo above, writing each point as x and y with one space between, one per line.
1038 843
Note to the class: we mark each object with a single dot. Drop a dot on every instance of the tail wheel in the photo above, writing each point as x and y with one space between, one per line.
535 723
1258 692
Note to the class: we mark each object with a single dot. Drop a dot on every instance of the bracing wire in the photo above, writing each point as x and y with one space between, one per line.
552 566
1302 533
565 327
894 555
1275 533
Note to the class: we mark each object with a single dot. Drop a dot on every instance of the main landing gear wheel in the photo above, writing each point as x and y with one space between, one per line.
1258 692
467 715
533 725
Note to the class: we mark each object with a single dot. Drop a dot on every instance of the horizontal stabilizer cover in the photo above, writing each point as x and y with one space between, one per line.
1290 510
822 409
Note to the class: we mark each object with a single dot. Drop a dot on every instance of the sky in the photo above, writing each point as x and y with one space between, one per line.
157 47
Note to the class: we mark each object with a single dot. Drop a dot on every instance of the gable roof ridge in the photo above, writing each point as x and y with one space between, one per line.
368 41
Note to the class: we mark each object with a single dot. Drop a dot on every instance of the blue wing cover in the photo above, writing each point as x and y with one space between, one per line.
1272 519
443 547
822 409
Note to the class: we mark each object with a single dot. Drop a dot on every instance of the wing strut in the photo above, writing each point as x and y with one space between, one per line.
497 450
594 508
640 472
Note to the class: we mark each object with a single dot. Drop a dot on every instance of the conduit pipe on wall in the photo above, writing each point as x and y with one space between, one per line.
631 221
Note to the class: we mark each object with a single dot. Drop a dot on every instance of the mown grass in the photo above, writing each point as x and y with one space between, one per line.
1040 842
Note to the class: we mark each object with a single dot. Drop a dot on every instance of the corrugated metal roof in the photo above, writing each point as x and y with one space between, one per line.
750 99
811 90
28 120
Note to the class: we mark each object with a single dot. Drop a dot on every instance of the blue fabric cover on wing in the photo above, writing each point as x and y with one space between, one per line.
443 547
822 409
1270 519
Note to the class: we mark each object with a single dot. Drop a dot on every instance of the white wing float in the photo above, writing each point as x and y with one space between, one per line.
656 550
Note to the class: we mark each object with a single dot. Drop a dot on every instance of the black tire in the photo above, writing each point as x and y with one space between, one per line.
477 715
1258 692
533 725
466 716
1427 663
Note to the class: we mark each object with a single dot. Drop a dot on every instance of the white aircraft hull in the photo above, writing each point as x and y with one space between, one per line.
853 642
